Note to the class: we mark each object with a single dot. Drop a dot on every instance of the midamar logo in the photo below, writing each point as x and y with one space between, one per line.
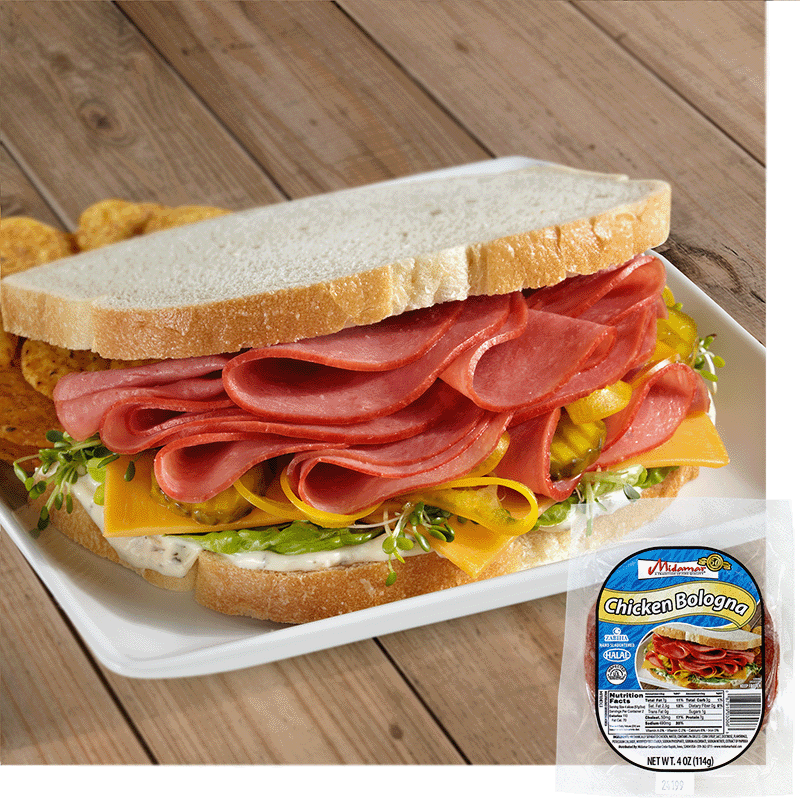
705 567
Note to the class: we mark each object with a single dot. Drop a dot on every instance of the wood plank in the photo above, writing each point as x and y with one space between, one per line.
360 710
491 679
311 98
522 97
710 53
55 708
18 197
343 706
94 113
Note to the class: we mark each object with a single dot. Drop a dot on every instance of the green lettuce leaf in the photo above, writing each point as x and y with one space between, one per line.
293 539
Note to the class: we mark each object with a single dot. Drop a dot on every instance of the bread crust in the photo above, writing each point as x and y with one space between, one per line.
82 318
297 597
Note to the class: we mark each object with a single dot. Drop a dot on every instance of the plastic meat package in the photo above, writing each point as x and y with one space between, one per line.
676 677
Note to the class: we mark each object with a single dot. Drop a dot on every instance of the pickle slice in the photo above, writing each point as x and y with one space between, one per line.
227 506
575 447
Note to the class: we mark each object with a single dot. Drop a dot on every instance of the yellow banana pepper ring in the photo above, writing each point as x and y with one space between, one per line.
273 502
678 332
574 447
601 403
324 519
664 352
482 504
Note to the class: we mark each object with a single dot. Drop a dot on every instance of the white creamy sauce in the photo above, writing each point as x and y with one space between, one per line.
174 556
342 556
168 555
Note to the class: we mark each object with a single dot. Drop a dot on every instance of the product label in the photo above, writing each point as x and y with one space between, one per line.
679 656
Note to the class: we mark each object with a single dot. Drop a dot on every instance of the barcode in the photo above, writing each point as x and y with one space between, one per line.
744 711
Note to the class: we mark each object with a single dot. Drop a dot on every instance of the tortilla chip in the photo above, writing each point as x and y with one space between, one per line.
112 221
8 348
25 414
26 243
11 451
182 215
44 364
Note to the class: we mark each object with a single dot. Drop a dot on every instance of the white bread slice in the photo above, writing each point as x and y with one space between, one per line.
727 640
297 597
313 266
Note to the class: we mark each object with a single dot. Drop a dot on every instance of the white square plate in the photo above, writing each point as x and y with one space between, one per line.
140 631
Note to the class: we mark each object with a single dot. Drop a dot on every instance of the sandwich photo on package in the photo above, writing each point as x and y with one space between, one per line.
686 656
363 397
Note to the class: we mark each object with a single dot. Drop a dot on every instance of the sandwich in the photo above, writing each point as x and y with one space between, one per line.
349 399
693 657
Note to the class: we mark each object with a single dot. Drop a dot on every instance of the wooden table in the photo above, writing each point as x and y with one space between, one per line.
240 104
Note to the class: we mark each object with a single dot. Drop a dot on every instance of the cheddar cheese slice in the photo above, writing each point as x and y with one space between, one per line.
129 510
695 442
473 548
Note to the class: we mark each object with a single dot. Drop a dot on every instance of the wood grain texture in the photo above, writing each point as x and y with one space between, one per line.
344 706
712 54
94 113
491 679
308 94
55 709
524 96
18 197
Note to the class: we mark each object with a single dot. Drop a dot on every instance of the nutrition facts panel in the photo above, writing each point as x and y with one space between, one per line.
665 711
679 730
